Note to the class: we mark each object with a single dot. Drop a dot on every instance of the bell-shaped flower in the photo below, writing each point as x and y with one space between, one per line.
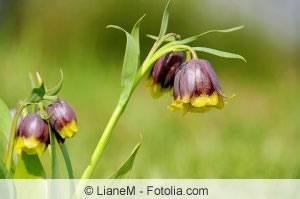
161 77
32 135
196 87
63 119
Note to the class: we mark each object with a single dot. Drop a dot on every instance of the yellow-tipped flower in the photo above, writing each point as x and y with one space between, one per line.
32 135
196 87
63 119
161 77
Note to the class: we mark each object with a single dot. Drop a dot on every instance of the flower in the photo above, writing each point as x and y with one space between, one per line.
32 135
63 119
161 77
196 87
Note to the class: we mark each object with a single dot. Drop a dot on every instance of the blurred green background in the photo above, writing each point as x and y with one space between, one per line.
257 135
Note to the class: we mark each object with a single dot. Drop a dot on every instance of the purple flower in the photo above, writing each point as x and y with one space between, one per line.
63 119
32 135
161 77
196 87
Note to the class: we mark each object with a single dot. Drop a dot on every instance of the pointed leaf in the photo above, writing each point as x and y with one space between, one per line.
165 21
125 170
130 65
219 53
55 90
191 39
135 32
169 39
29 167
58 167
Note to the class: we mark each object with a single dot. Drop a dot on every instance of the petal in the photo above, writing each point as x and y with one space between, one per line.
176 86
208 101
30 145
155 89
187 83
69 130
213 77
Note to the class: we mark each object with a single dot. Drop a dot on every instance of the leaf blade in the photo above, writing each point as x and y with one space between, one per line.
126 168
219 53
169 39
194 38
165 21
130 65
29 167
58 168
135 32
55 90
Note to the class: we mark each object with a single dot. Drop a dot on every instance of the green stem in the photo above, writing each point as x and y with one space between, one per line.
54 168
103 141
153 55
67 159
11 142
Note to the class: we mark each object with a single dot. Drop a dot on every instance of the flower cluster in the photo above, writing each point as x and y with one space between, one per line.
194 83
33 130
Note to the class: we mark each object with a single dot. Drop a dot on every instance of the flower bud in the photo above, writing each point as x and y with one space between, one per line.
32 135
196 87
161 77
63 119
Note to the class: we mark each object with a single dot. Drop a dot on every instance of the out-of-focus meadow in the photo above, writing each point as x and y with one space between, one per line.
257 135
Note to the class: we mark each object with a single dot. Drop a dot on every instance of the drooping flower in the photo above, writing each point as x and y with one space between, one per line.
161 77
32 135
196 87
63 119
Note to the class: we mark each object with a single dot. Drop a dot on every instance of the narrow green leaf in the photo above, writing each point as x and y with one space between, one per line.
191 39
165 21
135 32
152 37
219 53
3 170
29 167
130 65
5 125
58 167
125 170
55 90
156 38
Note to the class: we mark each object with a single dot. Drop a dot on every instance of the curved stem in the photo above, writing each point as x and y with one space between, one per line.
11 142
157 44
153 55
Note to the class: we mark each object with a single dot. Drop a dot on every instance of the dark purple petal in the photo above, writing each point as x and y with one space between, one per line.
163 71
187 81
176 86
213 77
